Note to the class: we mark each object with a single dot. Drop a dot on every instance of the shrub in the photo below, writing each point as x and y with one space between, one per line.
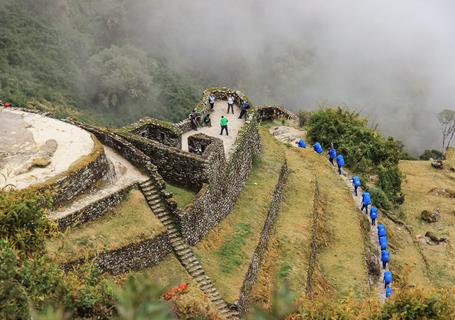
23 220
380 199
304 118
366 151
390 183
432 154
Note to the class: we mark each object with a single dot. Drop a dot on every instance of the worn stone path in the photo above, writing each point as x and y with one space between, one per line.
234 125
183 251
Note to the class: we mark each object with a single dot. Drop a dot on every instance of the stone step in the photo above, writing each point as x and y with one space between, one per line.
152 197
195 267
185 256
197 273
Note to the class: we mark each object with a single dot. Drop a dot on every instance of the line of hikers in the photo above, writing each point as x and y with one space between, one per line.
195 117
366 203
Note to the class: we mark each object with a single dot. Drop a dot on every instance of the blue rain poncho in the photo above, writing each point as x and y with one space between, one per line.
317 147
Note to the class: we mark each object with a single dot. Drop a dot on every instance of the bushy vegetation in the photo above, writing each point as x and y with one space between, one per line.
365 150
79 55
432 154
407 304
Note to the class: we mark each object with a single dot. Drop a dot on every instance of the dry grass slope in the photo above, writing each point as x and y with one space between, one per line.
227 250
131 221
426 188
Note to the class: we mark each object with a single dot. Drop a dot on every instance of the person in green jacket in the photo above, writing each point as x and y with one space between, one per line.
223 123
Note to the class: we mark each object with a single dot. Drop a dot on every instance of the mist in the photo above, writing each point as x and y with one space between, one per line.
393 61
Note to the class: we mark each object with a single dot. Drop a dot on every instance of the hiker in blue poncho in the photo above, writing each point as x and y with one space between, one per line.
301 143
388 292
387 278
383 242
332 155
245 106
382 231
385 258
356 182
366 201
373 215
340 162
317 147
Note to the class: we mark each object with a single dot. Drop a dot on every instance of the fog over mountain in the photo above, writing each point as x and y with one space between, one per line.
391 60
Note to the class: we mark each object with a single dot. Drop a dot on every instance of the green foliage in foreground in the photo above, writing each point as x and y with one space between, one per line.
365 150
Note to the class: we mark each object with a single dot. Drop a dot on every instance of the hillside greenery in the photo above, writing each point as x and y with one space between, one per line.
365 150
79 55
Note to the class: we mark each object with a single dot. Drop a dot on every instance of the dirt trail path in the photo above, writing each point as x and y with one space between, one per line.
234 126
290 136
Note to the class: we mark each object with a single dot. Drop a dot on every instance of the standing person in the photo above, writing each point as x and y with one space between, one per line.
211 101
366 201
332 155
245 106
230 101
373 215
317 147
385 258
193 118
340 162
388 292
301 143
387 278
224 125
356 182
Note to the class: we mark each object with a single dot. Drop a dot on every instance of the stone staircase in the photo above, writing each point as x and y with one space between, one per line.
183 250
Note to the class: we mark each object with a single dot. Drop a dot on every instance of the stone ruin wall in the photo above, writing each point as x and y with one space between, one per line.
217 198
258 255
219 182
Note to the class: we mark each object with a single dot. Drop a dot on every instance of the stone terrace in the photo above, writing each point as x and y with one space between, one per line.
234 126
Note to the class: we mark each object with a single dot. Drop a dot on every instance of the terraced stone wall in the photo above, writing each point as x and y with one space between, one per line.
94 210
175 165
253 270
217 198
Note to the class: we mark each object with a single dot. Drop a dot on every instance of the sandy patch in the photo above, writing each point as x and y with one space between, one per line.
122 174
23 133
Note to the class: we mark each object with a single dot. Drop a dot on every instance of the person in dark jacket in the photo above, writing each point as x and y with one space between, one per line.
193 117
244 108
332 155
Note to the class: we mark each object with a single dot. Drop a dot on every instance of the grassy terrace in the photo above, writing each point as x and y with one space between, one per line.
131 221
426 188
227 250
183 196
340 267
